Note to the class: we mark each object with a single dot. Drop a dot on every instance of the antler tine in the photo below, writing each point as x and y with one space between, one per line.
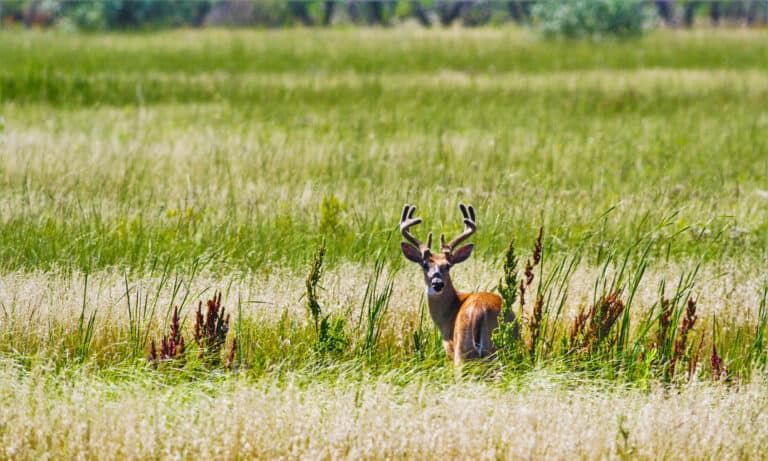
406 222
470 226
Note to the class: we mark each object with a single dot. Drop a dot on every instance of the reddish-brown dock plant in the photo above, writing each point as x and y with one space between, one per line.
211 329
593 325
172 345
687 324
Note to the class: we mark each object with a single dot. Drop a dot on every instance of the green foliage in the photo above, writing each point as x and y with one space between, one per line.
331 210
12 8
403 10
152 13
311 284
271 13
330 330
332 338
87 16
479 14
426 341
507 286
93 15
593 18
507 336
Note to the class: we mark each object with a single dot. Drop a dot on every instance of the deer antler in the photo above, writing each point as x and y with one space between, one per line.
406 222
470 226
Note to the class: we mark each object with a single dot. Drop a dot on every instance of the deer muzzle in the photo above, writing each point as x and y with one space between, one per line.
437 284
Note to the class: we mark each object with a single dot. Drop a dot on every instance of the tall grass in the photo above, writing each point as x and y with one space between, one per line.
667 334
85 327
375 303
207 160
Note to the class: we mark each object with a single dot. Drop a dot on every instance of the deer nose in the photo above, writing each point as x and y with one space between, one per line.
437 285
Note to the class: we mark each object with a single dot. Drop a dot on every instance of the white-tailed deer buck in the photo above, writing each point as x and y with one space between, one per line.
466 320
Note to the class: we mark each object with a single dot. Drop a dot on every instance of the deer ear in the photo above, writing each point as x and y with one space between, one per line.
462 254
411 252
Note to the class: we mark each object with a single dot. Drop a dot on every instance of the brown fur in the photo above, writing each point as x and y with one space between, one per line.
466 322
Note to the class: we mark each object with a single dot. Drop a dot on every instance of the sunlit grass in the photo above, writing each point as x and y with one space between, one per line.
126 186
139 172
136 416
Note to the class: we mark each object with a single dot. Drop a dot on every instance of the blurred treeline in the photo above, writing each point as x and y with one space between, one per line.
147 14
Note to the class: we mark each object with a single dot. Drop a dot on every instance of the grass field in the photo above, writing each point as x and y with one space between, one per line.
139 172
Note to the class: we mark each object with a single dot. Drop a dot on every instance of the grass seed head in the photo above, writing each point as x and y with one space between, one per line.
528 272
537 247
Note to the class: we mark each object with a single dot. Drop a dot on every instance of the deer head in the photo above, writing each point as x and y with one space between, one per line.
436 266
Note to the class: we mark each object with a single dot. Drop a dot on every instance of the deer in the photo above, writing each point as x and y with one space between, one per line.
466 320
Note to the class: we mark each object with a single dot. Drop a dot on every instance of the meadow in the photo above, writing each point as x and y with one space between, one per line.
139 172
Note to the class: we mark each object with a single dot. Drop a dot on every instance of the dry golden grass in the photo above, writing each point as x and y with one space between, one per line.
355 417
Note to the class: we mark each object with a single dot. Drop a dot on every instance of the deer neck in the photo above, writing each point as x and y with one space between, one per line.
443 308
